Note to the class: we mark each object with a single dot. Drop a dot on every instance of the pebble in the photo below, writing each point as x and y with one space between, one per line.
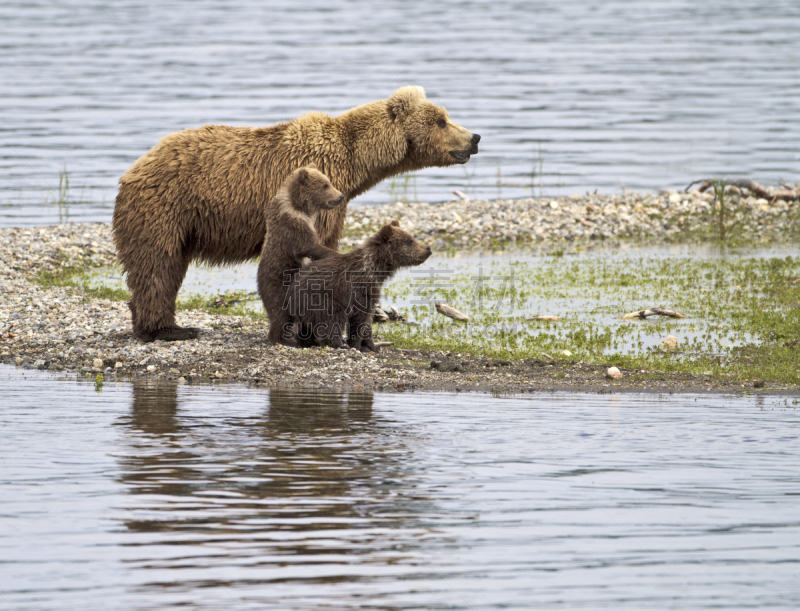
613 373
669 344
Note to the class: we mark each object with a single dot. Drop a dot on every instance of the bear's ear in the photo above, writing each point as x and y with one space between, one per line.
395 223
311 166
386 232
404 99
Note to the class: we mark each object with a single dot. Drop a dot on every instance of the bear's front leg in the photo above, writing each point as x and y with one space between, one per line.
331 334
282 329
154 280
359 332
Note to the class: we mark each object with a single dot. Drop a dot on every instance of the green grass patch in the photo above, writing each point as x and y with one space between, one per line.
228 303
742 309
81 279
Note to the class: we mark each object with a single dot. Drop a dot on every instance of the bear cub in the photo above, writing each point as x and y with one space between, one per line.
338 293
291 238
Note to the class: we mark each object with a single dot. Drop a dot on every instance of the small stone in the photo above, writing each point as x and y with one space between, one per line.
669 344
97 364
151 368
174 371
566 353
18 360
117 365
554 205
613 373
674 198
758 384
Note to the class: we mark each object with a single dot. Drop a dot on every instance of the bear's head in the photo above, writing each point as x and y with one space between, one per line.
400 248
311 191
433 139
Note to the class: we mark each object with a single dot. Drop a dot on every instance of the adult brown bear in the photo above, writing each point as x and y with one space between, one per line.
200 193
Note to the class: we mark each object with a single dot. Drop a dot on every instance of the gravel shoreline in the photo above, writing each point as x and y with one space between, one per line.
63 329
548 221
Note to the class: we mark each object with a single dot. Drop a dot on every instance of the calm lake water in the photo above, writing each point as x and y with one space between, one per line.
151 496
569 96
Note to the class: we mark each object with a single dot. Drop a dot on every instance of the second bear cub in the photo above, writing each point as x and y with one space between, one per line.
291 237
338 293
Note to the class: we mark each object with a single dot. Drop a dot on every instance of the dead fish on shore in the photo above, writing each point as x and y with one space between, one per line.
446 310
391 315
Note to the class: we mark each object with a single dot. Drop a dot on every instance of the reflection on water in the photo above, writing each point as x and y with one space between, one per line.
158 496
307 482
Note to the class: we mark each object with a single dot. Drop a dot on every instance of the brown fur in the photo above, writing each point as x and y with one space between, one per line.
200 193
290 238
340 292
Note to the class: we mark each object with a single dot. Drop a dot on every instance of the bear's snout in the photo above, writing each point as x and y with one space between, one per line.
336 201
423 256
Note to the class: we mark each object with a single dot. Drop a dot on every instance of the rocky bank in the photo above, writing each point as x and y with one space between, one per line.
61 328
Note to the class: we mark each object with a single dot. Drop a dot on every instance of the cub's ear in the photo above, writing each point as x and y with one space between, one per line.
395 223
404 100
302 175
385 234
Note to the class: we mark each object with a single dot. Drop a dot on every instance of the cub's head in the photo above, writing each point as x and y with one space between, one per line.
403 248
310 191
433 139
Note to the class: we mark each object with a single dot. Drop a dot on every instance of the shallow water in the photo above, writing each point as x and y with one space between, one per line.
158 496
568 96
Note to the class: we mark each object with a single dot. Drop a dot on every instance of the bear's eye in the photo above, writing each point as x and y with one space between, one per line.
409 242
442 123
324 186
